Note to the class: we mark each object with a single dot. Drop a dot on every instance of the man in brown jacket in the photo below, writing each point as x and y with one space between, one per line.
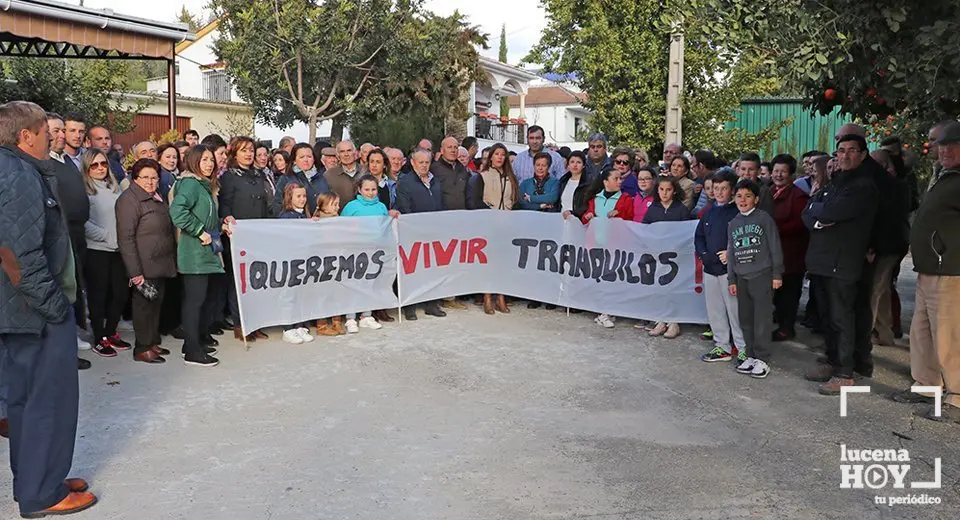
342 179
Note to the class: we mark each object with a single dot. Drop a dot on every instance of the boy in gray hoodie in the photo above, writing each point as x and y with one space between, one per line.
755 266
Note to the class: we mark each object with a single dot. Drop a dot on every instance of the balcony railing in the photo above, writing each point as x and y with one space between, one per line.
510 131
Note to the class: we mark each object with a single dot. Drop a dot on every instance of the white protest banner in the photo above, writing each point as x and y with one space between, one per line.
621 268
645 271
289 271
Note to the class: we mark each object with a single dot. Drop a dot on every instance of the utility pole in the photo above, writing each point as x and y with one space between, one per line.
674 129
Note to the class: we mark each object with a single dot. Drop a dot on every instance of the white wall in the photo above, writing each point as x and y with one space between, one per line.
558 121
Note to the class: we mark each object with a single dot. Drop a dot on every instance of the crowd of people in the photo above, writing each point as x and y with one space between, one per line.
85 241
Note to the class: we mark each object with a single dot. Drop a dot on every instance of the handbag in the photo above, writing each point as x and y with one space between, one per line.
148 290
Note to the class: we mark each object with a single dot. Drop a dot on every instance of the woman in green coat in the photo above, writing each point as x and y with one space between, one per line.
194 213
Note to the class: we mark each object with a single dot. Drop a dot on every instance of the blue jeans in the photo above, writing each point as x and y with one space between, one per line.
42 385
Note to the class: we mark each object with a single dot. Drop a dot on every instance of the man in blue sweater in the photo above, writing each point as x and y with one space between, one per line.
711 245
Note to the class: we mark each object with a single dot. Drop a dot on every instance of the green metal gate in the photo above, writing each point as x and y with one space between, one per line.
809 130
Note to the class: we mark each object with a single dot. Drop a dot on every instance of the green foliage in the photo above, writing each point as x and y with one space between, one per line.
309 60
879 58
401 131
192 21
619 51
84 86
502 56
427 78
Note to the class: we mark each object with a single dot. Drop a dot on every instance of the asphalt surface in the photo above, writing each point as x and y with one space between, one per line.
532 415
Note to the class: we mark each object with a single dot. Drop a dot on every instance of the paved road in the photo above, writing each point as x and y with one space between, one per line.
535 415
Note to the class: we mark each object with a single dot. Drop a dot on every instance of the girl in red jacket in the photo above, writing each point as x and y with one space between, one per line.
608 202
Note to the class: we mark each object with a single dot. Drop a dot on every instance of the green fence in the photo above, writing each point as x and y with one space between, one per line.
809 130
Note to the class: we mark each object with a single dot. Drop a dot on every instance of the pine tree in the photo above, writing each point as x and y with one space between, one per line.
504 105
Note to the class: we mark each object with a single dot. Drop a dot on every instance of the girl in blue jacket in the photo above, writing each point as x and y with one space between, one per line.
367 204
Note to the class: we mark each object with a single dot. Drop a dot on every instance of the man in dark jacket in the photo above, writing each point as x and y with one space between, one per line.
452 174
37 329
889 241
421 192
840 220
73 198
455 179
935 246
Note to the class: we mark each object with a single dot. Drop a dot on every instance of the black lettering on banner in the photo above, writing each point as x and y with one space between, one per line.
568 258
258 275
583 263
621 273
276 283
667 260
377 259
525 244
628 267
362 263
596 263
548 253
346 266
329 265
648 268
313 269
610 262
296 271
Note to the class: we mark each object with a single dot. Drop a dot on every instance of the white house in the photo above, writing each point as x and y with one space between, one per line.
555 107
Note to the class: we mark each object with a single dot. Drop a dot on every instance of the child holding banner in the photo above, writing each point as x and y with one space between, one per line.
367 204
667 207
608 202
295 206
755 266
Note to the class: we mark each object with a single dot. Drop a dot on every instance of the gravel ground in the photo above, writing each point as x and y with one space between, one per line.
532 415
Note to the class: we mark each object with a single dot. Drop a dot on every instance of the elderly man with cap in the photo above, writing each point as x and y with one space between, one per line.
935 247
328 158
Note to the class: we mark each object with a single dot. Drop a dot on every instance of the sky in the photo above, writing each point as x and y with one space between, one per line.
524 18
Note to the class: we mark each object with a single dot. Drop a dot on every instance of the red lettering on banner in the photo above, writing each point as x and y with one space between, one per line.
470 252
409 262
443 255
476 250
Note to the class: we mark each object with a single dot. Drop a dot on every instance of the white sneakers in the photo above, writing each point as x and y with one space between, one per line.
292 337
305 334
82 345
605 321
297 336
754 368
368 323
365 323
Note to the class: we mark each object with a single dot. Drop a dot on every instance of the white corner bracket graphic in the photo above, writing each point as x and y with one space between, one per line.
937 396
844 390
